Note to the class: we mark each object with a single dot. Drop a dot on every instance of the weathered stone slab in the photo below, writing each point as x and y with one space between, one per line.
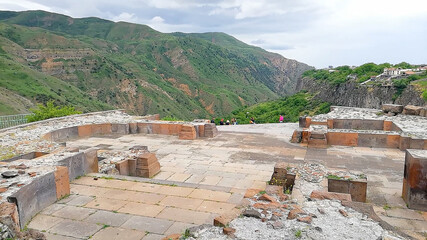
412 110
417 143
372 140
34 197
394 108
91 160
405 143
342 138
27 156
357 189
65 134
393 141
122 129
415 179
133 128
75 165
62 182
101 129
123 167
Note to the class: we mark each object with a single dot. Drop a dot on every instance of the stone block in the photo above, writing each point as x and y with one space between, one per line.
393 141
412 110
65 134
133 128
415 179
210 130
423 112
123 167
405 143
121 129
387 125
372 140
330 195
371 125
164 129
146 159
148 171
394 108
174 129
201 130
342 138
34 197
90 164
356 188
338 124
132 167
9 216
85 130
305 136
62 182
297 136
101 129
188 132
417 143
330 123
75 165
302 121
145 128
319 123
155 128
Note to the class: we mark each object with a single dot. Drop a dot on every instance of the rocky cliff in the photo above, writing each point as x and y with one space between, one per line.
352 94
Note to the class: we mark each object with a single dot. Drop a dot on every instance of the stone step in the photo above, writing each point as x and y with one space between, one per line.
317 143
317 135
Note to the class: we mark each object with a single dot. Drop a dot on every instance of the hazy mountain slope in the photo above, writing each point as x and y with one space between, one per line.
134 67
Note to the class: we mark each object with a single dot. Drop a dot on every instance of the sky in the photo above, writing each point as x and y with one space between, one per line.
320 33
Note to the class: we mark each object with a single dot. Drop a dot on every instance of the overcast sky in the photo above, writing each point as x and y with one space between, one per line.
317 32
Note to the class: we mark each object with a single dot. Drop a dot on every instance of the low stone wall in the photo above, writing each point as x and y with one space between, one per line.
40 193
361 133
183 130
415 179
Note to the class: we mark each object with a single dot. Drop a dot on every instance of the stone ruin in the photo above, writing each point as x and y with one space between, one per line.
395 126
34 180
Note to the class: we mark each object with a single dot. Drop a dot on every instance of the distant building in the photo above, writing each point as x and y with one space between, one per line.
408 73
392 71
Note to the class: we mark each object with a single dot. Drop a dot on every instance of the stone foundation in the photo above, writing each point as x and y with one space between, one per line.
415 179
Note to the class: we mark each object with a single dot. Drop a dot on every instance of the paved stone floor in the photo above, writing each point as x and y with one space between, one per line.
203 178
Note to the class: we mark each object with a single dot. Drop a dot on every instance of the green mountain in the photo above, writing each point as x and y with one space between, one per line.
97 64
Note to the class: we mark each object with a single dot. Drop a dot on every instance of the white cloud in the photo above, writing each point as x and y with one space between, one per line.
320 33
125 17
22 5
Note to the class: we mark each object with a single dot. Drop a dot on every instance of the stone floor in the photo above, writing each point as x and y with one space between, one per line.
203 178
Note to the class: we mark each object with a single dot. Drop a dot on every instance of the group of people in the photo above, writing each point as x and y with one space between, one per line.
234 121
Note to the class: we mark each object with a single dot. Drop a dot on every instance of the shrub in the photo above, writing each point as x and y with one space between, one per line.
50 111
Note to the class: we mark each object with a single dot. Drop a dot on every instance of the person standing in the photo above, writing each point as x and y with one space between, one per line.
221 122
213 120
281 118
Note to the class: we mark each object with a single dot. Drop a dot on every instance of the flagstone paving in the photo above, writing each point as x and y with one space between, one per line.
204 178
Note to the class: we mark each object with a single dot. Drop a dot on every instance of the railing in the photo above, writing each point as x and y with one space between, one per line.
13 120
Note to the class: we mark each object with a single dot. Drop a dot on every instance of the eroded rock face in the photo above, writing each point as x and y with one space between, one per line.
352 94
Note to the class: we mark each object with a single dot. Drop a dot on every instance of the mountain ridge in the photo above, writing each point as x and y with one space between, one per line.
131 66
